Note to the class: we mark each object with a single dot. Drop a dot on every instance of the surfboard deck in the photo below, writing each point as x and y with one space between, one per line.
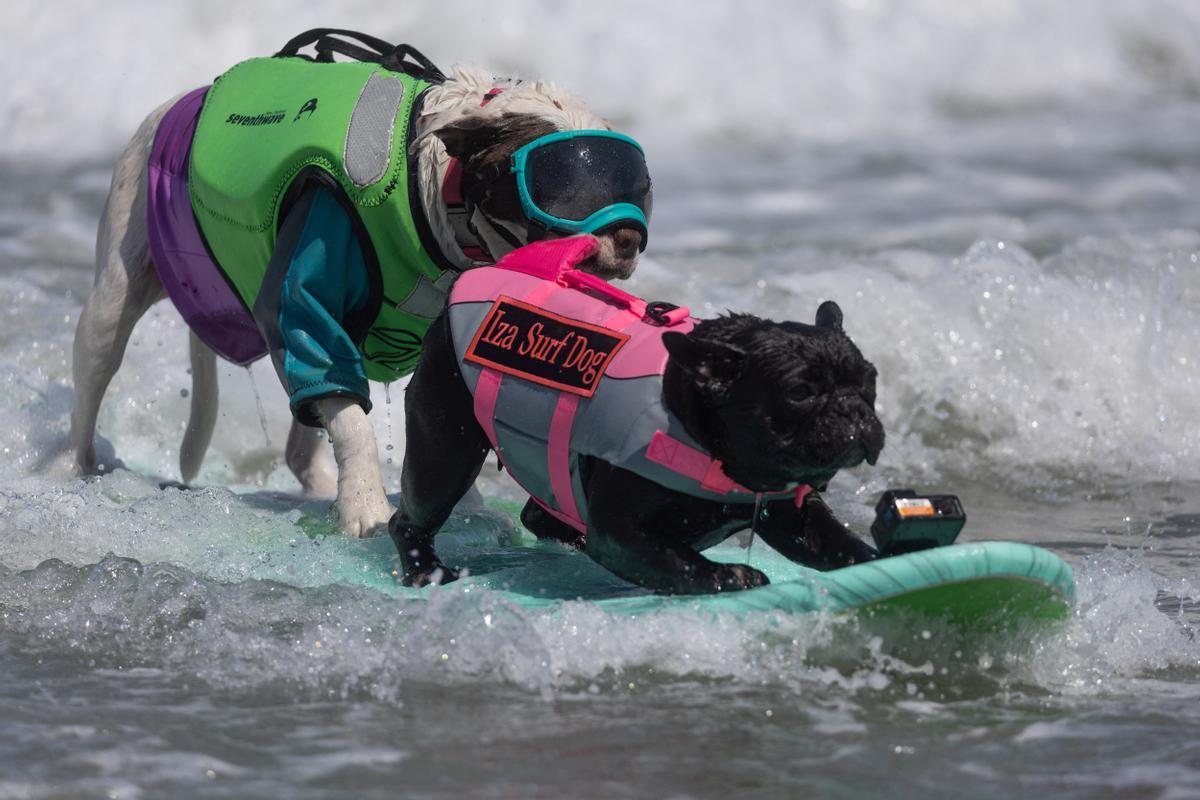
977 584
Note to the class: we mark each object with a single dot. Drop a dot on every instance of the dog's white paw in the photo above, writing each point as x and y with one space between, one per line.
362 517
63 461
64 465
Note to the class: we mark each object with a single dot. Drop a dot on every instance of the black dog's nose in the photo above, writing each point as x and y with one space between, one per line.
872 437
866 438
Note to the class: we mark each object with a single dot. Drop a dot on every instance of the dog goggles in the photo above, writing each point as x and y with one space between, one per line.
583 181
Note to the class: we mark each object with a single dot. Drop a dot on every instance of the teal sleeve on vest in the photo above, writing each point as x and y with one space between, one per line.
326 281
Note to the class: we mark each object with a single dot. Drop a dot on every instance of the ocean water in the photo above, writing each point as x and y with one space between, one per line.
1001 196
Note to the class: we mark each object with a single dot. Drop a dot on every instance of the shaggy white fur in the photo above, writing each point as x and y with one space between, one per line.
461 97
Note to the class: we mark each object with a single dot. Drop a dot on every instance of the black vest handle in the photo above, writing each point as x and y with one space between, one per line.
295 44
327 45
419 66
398 58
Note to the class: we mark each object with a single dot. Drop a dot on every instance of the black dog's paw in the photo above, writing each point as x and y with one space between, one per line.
422 567
860 552
439 575
736 577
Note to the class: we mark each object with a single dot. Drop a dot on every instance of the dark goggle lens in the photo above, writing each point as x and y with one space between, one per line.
574 178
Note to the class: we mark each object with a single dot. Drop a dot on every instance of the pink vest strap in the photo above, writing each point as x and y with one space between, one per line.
669 452
558 452
456 210
452 185
558 455
487 392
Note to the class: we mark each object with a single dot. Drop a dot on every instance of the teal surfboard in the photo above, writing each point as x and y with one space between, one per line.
966 583
978 584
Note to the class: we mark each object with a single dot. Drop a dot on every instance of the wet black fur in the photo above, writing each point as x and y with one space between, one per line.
778 403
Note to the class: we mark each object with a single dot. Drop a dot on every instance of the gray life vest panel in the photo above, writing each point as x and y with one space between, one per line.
559 373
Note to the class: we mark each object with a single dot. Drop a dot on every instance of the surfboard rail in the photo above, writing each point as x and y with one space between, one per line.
977 584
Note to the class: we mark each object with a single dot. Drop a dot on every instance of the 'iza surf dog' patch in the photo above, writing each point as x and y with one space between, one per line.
534 344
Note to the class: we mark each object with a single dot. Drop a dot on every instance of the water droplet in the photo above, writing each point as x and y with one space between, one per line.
258 403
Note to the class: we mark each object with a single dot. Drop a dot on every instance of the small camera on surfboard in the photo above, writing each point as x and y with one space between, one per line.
906 521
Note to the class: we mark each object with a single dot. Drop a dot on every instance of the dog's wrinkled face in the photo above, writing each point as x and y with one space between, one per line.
482 143
780 402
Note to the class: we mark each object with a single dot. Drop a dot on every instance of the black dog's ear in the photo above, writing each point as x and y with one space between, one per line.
491 139
712 366
468 135
829 315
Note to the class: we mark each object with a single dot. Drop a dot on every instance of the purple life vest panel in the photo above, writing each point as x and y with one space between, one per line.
192 279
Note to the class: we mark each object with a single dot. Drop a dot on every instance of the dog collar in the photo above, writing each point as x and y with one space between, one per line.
456 205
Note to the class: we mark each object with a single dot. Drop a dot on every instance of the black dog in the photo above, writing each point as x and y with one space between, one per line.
777 403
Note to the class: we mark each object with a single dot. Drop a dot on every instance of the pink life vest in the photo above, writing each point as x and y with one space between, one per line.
563 365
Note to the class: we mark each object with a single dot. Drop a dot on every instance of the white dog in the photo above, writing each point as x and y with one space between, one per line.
471 117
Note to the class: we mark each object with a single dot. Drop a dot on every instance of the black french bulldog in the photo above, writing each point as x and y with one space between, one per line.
778 403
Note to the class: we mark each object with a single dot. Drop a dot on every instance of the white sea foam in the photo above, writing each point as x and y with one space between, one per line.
189 617
77 82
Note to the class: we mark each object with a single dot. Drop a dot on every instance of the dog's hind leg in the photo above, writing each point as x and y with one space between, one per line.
444 451
203 416
126 286
539 522
306 459
624 538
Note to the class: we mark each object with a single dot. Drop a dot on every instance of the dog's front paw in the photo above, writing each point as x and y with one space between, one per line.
420 563
363 518
736 577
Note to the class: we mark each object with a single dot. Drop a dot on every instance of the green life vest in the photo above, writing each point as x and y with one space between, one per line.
271 124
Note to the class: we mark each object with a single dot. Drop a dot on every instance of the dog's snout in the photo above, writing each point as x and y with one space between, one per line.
626 242
864 441
872 437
